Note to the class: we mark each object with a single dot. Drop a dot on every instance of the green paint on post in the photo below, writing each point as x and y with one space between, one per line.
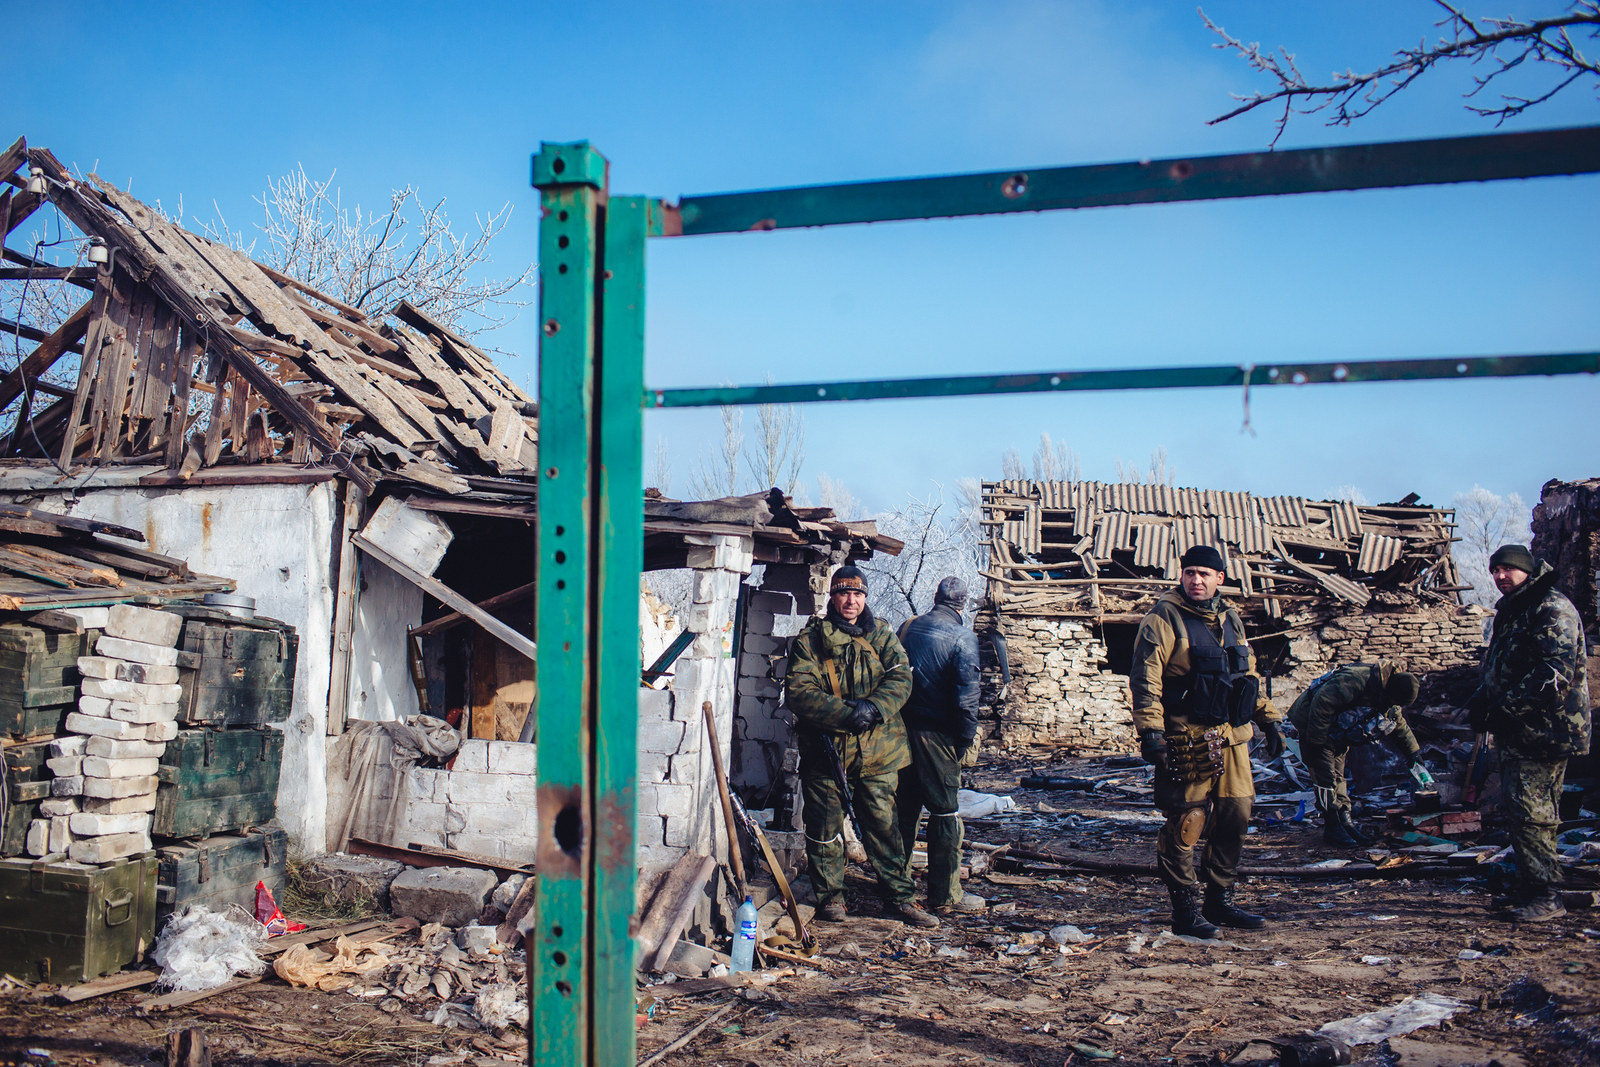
559 947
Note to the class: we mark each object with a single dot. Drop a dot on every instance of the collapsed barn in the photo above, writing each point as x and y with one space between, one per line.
1073 566
370 479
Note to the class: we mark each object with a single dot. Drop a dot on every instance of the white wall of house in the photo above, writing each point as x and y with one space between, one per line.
276 541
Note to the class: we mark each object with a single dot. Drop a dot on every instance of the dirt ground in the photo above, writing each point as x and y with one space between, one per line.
994 988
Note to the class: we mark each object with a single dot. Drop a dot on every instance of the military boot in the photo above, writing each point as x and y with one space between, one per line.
1348 822
1186 917
1219 909
1335 835
1540 908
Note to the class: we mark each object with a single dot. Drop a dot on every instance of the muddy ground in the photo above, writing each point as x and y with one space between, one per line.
994 988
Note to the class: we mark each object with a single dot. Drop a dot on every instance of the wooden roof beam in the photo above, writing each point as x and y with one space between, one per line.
41 359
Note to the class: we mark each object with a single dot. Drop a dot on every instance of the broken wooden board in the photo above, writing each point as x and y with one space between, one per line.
670 908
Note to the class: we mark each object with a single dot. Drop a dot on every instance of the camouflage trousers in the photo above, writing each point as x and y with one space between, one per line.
1327 779
1229 798
932 781
875 822
1531 792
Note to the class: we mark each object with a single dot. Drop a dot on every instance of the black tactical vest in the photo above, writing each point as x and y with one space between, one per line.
1217 688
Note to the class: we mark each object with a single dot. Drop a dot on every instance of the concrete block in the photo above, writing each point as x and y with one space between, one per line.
422 818
352 878
655 857
125 671
658 703
58 806
91 618
104 767
99 707
69 746
679 833
60 832
114 749
453 896
65 766
653 766
477 938
106 849
754 665
38 841
162 731
700 558
473 755
491 819
661 735
705 587
67 787
765 644
670 799
464 787
92 824
113 788
513 757
758 622
144 624
771 600
423 785
119 805
79 723
707 646
136 651
143 714
132 692
499 846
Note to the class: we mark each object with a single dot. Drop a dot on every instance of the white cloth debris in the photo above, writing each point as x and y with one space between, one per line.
1412 1013
201 949
972 805
378 756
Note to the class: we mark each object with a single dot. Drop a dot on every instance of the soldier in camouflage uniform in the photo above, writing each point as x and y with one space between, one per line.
1346 707
1191 664
846 682
1535 700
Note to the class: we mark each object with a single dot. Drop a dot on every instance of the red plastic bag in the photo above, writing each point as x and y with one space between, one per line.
268 913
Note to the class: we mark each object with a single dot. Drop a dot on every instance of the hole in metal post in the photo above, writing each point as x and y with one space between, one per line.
561 557
550 472
556 931
559 958
564 988
562 242
551 327
560 530
559 165
562 216
569 830
1014 187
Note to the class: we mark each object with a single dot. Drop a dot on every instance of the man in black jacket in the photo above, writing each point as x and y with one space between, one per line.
942 722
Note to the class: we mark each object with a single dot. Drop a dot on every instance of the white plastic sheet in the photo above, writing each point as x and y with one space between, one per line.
201 949
1412 1013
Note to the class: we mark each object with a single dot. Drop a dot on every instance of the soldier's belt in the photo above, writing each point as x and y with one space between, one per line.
1194 753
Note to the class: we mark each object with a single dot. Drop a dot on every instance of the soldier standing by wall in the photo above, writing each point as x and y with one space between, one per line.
1346 707
942 725
1535 700
847 680
1195 693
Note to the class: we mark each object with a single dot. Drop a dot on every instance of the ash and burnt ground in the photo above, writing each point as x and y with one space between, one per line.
993 988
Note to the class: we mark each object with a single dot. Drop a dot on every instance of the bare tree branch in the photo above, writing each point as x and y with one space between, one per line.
1506 43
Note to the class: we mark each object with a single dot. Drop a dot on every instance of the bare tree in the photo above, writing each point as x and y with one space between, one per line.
1484 522
373 260
1159 472
1011 468
661 467
1502 44
938 542
1053 461
834 494
1351 493
778 450
719 475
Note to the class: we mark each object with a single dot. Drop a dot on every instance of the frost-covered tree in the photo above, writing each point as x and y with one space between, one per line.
1484 522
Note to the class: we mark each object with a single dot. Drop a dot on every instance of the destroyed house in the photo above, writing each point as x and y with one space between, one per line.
369 479
1072 567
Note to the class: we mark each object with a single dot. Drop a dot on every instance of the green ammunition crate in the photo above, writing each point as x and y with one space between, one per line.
216 781
221 870
27 783
234 672
38 679
68 922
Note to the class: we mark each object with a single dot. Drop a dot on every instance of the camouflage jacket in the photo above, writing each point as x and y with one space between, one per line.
827 668
1316 712
1535 674
1161 651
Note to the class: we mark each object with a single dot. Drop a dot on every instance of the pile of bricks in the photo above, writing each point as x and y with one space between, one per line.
1062 690
105 781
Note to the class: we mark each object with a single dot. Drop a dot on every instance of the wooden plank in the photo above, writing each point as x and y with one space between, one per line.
302 287
405 400
188 353
111 383
434 476
455 618
344 613
48 274
347 379
89 365
14 156
670 908
22 206
275 310
485 681
428 856
425 357
43 357
449 597
70 522
381 345
111 983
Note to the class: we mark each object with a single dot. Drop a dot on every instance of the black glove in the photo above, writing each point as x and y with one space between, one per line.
864 715
1153 747
1272 743
1479 709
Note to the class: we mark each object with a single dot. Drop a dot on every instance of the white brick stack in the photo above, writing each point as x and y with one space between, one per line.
105 773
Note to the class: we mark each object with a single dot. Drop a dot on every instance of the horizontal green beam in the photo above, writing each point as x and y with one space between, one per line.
1491 157
1068 381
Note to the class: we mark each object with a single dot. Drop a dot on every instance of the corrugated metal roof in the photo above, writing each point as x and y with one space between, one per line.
1245 534
1084 520
1112 534
1346 521
1379 553
1186 502
1222 503
1152 545
1282 510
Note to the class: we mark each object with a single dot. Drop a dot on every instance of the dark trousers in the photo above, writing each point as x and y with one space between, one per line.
875 822
932 781
1228 798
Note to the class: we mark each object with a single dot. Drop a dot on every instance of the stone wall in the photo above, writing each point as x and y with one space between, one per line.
1566 532
1063 692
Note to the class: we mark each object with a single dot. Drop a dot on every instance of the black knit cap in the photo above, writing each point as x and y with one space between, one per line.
1516 556
1402 688
1204 556
848 577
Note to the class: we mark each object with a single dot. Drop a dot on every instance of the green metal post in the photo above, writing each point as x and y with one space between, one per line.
569 936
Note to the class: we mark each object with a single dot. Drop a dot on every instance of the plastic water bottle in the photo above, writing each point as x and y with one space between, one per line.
745 937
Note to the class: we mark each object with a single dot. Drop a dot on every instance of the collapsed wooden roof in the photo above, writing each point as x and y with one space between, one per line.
196 358
783 533
1097 550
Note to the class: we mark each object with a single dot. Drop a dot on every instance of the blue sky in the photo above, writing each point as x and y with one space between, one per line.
206 101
